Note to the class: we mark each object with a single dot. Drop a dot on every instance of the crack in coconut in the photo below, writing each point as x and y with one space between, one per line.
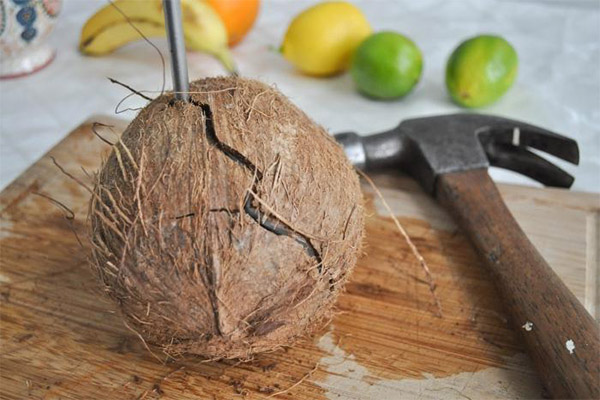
270 223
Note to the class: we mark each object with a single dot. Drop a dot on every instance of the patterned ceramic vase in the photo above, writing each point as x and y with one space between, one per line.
24 28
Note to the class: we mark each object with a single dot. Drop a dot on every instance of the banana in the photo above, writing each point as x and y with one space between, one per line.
113 26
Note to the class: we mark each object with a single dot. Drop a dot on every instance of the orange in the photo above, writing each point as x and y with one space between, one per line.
237 15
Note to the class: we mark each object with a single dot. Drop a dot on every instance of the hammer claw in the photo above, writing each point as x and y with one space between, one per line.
523 161
524 135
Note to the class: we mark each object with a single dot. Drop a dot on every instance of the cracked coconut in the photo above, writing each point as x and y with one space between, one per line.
226 226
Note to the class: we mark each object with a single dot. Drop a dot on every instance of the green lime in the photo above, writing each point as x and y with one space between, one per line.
480 70
386 65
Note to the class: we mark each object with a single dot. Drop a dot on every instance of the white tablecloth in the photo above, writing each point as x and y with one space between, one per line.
558 85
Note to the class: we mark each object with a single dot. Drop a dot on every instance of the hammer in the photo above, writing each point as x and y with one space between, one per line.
449 156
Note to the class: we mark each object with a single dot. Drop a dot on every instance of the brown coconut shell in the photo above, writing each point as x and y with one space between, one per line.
226 226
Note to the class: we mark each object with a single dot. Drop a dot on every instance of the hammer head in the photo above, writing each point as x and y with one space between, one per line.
430 146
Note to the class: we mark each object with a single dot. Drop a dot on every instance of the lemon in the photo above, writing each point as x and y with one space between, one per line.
481 70
387 65
320 40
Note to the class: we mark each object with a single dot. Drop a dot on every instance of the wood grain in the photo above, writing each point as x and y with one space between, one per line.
61 338
561 336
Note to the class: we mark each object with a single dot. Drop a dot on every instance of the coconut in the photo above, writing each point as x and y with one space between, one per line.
225 226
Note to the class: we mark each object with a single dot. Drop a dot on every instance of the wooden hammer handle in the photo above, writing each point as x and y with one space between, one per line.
562 338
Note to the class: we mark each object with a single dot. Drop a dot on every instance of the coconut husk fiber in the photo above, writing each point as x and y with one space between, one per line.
226 226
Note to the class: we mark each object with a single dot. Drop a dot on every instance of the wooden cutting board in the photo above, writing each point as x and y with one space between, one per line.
61 338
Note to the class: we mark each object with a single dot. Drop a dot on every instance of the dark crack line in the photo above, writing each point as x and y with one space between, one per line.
229 151
270 223
185 216
224 209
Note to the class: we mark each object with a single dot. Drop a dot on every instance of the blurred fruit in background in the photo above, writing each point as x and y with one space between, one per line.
237 15
387 65
321 40
480 70
121 22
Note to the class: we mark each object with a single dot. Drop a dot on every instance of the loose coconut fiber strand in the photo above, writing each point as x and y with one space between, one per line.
411 245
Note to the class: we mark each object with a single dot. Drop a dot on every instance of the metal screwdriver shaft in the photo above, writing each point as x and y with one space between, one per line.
173 22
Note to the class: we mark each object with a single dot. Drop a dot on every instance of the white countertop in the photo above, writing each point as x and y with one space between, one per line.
558 85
